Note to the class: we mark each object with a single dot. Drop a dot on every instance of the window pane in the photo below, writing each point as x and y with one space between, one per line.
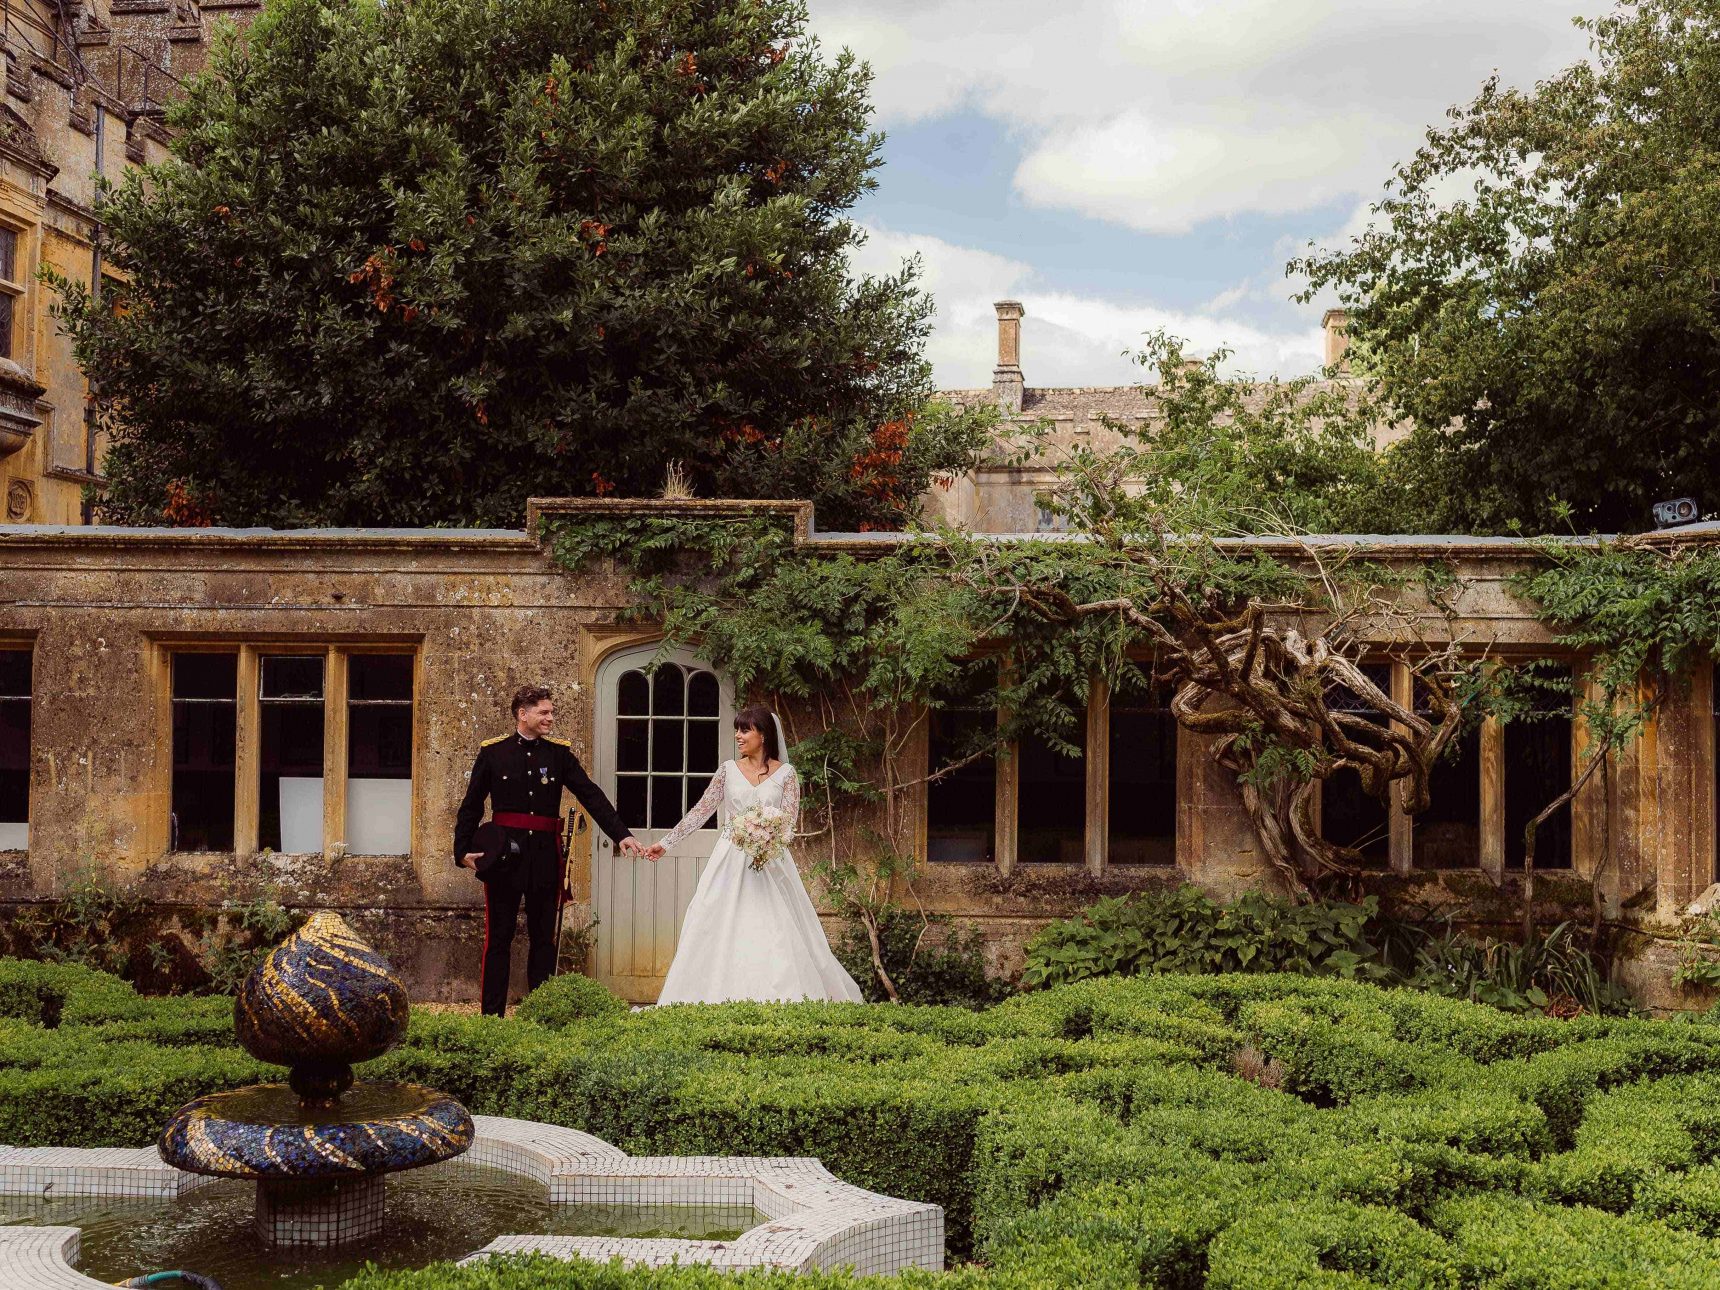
205 676
630 800
14 673
292 676
8 307
632 739
14 749
633 695
375 677
379 718
290 791
1051 810
1538 769
702 742
702 695
668 691
1447 835
1348 815
666 798
204 734
379 741
961 808
667 739
1142 807
9 254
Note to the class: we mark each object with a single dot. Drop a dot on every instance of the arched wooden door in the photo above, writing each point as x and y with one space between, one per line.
660 737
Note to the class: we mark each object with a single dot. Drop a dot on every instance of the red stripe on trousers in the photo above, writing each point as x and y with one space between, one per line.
484 955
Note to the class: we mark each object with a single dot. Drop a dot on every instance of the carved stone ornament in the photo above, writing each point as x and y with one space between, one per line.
19 412
20 500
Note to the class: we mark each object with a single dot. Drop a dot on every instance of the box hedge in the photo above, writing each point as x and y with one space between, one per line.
1093 1135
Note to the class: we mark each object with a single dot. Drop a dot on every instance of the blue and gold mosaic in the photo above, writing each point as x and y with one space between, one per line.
254 1133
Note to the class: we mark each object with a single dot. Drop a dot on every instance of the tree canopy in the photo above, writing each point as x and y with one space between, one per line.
1537 294
413 263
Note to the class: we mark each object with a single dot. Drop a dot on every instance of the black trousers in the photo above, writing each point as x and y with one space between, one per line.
502 897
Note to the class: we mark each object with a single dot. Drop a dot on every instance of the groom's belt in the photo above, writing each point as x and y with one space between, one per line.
519 820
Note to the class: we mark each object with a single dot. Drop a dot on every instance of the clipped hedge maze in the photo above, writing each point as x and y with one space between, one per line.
1093 1135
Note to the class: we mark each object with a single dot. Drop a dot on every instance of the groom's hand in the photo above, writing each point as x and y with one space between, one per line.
630 847
470 859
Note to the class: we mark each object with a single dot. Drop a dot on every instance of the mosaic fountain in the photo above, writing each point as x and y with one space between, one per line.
319 1150
317 1153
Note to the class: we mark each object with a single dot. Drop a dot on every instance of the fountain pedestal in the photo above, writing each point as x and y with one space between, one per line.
319 1212
320 1147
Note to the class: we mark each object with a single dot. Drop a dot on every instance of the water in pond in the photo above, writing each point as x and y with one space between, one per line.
444 1211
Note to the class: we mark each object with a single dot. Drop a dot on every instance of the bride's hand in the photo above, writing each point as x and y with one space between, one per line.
654 852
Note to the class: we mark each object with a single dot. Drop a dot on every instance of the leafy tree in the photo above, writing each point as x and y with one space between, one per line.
412 263
1554 332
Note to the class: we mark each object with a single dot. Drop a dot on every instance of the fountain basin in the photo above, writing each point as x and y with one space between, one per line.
815 1219
265 1132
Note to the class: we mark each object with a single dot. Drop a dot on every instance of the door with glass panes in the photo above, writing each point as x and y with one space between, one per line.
661 734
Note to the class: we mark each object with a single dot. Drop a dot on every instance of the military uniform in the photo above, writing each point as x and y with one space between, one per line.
524 778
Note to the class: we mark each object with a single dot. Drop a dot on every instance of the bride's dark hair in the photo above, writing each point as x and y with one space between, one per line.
761 720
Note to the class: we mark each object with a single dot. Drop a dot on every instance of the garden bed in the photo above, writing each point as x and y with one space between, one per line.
1097 1134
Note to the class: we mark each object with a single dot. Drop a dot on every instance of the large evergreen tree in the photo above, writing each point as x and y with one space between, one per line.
1538 295
413 262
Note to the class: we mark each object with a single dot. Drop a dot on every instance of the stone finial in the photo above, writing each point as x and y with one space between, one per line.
1007 383
1336 326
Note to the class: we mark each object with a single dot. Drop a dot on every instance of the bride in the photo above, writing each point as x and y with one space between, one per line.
750 933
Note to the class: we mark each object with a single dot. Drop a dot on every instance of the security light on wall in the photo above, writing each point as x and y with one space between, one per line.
1680 510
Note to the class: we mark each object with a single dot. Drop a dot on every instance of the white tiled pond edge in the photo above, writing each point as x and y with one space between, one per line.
814 1219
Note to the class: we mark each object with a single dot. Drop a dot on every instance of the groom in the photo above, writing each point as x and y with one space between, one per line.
523 774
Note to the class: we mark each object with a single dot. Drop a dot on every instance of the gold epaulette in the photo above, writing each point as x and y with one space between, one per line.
552 739
498 739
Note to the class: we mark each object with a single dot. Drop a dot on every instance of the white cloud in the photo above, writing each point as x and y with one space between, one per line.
1066 338
1161 114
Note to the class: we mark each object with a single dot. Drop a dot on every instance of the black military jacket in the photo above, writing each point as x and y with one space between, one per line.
527 776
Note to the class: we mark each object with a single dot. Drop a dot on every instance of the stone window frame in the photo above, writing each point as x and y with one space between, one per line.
1096 756
17 289
1096 842
1491 828
250 649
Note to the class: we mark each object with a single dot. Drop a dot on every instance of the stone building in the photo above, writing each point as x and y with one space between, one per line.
86 82
201 714
1004 496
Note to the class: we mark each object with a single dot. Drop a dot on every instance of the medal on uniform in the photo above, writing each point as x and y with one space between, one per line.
543 775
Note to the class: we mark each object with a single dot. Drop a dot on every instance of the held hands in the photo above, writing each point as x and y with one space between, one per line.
630 846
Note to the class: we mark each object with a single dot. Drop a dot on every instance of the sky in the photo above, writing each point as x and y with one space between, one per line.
1126 165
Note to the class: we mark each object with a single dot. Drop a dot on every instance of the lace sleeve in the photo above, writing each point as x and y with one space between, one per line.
791 797
702 810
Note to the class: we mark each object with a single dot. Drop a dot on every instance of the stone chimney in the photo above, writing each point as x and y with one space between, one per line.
1336 325
1007 384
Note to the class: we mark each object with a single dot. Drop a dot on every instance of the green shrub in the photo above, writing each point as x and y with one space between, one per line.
1186 931
568 998
929 959
1516 1244
1688 1200
1294 1245
1098 1134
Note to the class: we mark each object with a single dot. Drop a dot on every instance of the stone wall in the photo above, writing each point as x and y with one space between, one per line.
486 611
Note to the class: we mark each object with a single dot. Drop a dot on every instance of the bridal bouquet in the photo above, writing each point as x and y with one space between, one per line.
760 832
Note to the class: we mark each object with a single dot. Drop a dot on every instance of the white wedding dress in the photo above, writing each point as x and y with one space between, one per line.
751 934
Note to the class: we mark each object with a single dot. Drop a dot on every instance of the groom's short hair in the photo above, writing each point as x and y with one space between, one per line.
529 696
